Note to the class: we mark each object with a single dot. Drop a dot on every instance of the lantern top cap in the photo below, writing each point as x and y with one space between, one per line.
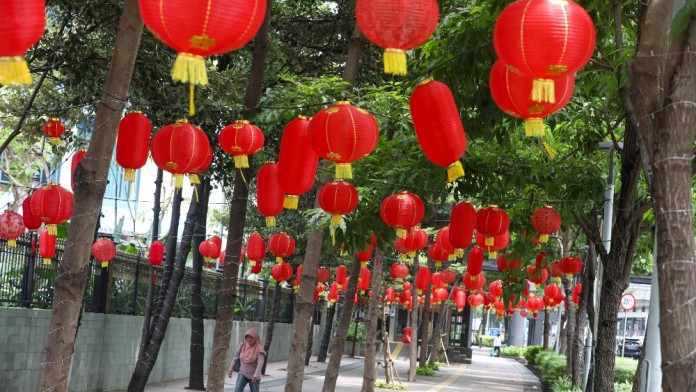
135 112
342 103
424 82
181 120
54 119
243 122
301 117
82 150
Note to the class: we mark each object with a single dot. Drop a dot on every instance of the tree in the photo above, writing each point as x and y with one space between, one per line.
373 317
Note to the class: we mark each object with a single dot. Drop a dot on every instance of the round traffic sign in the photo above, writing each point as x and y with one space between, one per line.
628 301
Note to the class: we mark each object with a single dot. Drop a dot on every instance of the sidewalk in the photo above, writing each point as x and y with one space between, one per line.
484 373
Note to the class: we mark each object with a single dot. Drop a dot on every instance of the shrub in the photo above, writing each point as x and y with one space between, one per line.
550 365
530 354
425 371
350 336
623 386
386 385
563 384
486 341
512 351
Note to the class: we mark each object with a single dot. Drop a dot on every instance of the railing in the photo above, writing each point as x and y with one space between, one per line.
25 281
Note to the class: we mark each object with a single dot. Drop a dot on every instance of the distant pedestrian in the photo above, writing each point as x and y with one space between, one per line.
496 345
251 356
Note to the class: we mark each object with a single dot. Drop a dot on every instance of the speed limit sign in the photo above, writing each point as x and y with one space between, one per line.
628 302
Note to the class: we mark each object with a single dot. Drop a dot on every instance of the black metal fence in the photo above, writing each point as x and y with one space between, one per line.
26 281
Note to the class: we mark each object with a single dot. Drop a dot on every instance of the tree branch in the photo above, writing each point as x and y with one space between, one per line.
18 127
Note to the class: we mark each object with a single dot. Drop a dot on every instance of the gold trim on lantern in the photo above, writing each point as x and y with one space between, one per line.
129 175
424 82
105 264
490 241
279 260
401 233
336 219
342 103
12 243
47 261
52 229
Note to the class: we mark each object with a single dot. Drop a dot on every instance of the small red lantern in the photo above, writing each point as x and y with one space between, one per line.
54 129
269 195
256 268
462 224
441 294
341 275
546 221
256 248
323 275
537 275
496 288
438 253
397 27
47 246
389 295
442 238
577 290
401 248
104 250
334 292
474 282
571 265
448 276
297 162
402 211
544 39
474 264
181 148
364 280
54 204
221 260
31 221
364 255
241 139
422 280
436 280
210 249
156 253
23 24
281 245
76 158
399 271
504 264
499 242
282 272
298 279
415 240
475 300
343 134
459 298
555 269
439 126
490 222
318 290
132 145
11 227
337 198
553 292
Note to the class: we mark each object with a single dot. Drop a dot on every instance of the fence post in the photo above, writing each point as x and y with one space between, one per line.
101 286
28 275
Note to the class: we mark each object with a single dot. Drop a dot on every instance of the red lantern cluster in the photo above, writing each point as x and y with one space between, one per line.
241 139
23 24
546 221
47 246
496 288
180 149
210 249
297 162
132 145
505 264
53 204
11 227
269 195
53 129
402 211
104 250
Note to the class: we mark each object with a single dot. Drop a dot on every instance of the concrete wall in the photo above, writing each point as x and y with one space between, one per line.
107 348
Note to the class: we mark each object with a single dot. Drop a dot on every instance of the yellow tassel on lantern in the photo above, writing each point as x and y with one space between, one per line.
14 70
178 181
492 255
534 127
52 229
401 233
12 243
47 261
395 62
192 100
454 171
344 171
336 220
279 260
55 141
332 230
270 221
193 178
190 68
363 264
290 202
543 90
459 252
544 238
105 264
129 175
550 151
241 161
438 264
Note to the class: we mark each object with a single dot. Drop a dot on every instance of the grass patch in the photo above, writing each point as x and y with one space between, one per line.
389 385
429 369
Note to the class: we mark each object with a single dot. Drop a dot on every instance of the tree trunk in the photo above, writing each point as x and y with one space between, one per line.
573 356
663 95
170 257
238 208
310 336
413 355
369 373
389 377
339 338
425 328
89 192
326 336
271 324
437 338
546 329
196 380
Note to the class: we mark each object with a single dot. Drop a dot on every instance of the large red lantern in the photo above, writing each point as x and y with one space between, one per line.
132 145
11 227
544 39
337 198
22 24
343 134
422 279
571 265
439 126
210 249
76 159
546 221
341 275
399 271
47 246
297 162
241 139
199 30
474 264
54 204
256 248
402 211
499 242
104 250
281 245
54 129
269 196
511 92
490 222
323 275
447 276
474 282
462 224
397 26
156 255
282 272
439 254
31 221
181 148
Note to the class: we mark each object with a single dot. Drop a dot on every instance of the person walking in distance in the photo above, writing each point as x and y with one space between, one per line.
251 356
496 345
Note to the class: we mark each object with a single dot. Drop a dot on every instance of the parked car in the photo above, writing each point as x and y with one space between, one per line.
634 346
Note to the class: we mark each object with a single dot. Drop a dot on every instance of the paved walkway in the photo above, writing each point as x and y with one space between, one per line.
484 373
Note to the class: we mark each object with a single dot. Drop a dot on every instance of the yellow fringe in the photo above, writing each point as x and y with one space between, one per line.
178 181
290 202
459 252
492 255
47 261
332 230
55 141
438 264
550 151
14 70
192 99
363 264
193 178
534 127
241 161
543 90
395 62
279 260
401 233
129 175
52 230
344 171
490 241
336 220
12 243
189 68
270 221
543 238
105 264
454 171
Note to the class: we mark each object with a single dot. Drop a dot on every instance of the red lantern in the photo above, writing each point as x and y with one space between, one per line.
462 224
333 293
447 276
181 148
364 280
474 282
475 300
544 39
435 280
442 238
389 295
297 162
241 139
438 253
490 222
422 280
54 204
269 196
499 242
555 269
156 253
397 27
439 126
400 247
132 145
47 246
282 272
399 271
318 290
23 24
440 295
496 288
364 255
341 275
337 198
256 248
11 227
54 129
298 279
221 260
415 240
474 263
104 250
504 264
577 290
402 211
459 298
546 221
511 92
31 221
553 292
76 158
281 245
571 265
537 275
209 249
323 275
343 134
256 268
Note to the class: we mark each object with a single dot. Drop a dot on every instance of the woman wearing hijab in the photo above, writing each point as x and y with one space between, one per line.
250 354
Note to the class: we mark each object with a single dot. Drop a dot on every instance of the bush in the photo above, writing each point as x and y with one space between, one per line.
563 384
624 370
350 336
623 386
486 341
386 385
512 351
425 371
551 365
530 354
